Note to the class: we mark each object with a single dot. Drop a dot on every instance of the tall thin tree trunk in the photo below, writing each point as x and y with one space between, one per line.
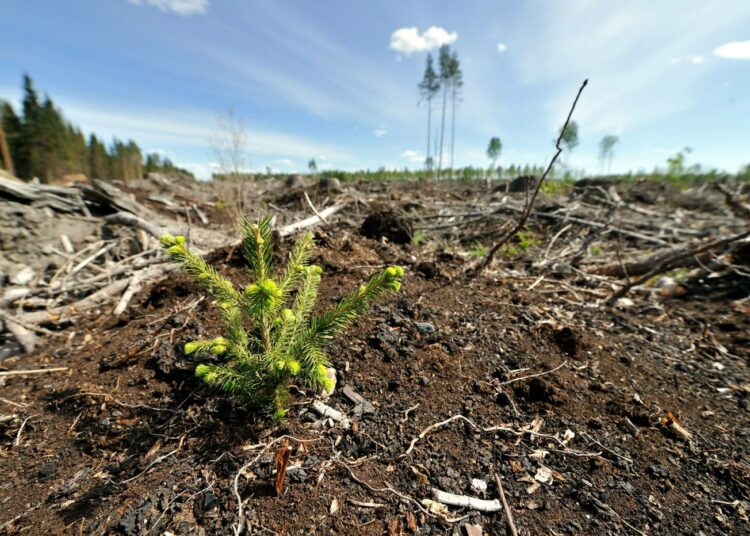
429 127
442 132
435 143
491 173
453 125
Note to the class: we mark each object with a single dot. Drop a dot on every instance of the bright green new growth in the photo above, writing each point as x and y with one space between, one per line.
266 345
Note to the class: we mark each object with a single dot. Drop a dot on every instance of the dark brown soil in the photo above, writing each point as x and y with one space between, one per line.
127 441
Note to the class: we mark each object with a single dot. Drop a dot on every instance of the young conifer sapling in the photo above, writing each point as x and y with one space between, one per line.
271 337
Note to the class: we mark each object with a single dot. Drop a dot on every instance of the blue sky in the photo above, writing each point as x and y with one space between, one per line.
336 79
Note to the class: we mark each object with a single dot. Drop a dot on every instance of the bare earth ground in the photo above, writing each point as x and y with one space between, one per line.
127 441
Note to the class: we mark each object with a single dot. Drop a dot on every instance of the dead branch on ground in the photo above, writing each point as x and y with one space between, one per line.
669 261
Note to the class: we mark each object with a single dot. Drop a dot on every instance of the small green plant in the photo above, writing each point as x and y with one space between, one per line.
524 240
557 186
419 237
478 250
595 249
510 250
267 346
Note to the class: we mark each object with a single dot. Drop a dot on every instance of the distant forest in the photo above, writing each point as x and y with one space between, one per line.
44 145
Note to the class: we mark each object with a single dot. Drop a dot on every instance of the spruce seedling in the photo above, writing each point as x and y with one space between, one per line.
266 346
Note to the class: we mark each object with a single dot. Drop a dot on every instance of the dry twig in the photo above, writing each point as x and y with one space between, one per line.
508 512
29 372
519 433
514 380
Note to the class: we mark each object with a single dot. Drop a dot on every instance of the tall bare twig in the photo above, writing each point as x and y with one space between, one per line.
530 201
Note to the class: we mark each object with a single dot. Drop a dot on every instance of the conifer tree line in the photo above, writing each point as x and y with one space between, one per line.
43 144
444 84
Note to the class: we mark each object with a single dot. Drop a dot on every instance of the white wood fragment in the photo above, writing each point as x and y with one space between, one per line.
465 501
67 244
325 410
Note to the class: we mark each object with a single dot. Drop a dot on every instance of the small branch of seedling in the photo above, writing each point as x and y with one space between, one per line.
266 346
530 201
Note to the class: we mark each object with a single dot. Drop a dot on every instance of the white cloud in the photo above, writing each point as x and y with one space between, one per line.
380 132
181 7
414 156
675 60
283 162
408 40
735 50
502 47
695 60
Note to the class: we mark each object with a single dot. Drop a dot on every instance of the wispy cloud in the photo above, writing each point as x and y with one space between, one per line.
379 132
695 60
502 47
408 40
186 128
323 76
735 50
623 54
180 7
299 92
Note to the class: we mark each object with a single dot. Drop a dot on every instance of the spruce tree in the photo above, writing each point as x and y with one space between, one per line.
134 161
153 163
28 159
78 152
271 337
98 159
51 143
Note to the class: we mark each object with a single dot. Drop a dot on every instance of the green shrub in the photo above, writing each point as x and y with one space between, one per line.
266 346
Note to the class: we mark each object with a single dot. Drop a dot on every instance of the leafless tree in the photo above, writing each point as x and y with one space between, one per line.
229 143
